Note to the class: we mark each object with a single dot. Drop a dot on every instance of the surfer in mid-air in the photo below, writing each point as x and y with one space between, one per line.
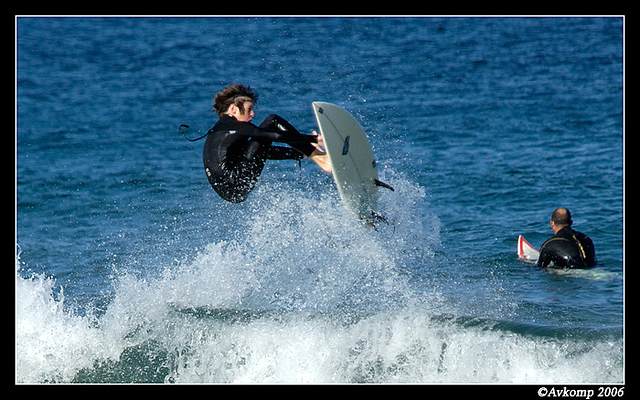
236 150
568 248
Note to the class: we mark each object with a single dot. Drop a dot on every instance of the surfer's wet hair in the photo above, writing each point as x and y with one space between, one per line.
234 94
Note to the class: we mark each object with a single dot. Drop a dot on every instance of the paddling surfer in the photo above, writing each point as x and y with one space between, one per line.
236 150
568 248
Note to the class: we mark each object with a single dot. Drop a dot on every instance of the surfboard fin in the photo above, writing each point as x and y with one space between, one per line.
385 185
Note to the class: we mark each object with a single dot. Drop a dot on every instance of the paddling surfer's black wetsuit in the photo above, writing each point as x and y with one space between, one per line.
235 152
568 249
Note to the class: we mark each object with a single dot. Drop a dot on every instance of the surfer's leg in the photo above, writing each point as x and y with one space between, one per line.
275 122
284 153
318 155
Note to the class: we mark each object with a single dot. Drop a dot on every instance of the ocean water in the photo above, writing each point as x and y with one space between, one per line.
129 267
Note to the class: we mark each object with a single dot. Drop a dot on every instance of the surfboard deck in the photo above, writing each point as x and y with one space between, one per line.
351 158
526 252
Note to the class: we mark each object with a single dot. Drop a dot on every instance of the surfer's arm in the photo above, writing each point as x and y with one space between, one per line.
542 260
548 254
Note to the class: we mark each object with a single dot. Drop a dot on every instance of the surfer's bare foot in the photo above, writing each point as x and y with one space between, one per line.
321 158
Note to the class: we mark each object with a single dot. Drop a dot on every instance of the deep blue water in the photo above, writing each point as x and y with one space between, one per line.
132 269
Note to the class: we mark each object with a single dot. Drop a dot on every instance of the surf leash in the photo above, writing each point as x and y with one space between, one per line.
182 132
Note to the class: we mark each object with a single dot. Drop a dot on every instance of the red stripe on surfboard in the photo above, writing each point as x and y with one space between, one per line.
521 242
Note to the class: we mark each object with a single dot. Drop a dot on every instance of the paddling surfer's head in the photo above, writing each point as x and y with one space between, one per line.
560 218
236 101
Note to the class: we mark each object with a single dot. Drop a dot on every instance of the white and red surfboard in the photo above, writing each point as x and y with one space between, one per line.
526 252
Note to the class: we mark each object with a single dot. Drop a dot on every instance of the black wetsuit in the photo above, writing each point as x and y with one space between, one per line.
568 249
235 152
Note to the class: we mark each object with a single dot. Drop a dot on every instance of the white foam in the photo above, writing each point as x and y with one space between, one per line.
386 347
51 343
321 297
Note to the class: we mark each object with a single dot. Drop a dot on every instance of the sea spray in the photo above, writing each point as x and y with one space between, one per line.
303 292
52 343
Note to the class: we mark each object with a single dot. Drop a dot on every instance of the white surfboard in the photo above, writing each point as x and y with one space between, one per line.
351 158
526 252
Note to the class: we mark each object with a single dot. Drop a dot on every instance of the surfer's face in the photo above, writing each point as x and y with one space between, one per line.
246 115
